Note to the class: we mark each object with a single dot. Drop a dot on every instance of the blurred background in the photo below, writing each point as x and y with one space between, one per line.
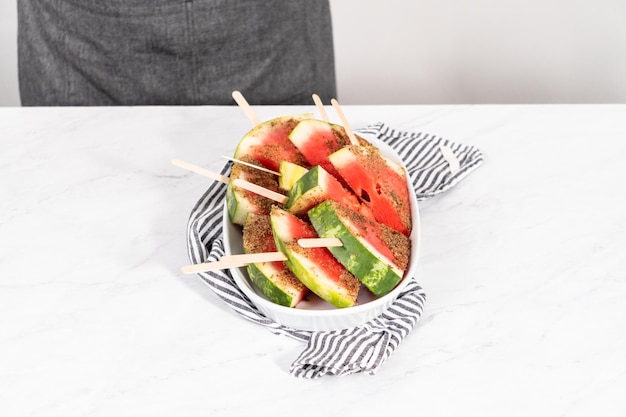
453 51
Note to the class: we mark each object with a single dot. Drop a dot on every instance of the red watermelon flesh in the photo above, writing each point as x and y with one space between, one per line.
317 139
317 268
380 183
269 143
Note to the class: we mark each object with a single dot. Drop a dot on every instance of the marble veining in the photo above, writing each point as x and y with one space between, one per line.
522 263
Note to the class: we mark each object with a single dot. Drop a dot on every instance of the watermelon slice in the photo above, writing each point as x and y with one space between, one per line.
241 202
289 174
269 143
315 186
273 279
376 254
380 183
317 268
317 139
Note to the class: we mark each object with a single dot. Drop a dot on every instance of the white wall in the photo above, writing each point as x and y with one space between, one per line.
9 95
481 51
454 51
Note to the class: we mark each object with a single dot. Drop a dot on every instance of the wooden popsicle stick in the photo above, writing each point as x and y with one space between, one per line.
252 165
246 185
234 261
320 107
243 104
200 170
344 121
320 242
272 195
449 156
248 258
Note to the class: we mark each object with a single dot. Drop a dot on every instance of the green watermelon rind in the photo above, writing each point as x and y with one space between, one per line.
297 264
272 279
306 191
238 206
241 202
261 278
315 186
376 274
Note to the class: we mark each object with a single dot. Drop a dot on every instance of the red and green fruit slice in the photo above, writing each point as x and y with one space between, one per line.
317 139
269 143
315 186
241 202
273 279
376 254
380 184
316 268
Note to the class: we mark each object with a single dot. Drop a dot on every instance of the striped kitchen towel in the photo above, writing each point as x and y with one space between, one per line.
434 166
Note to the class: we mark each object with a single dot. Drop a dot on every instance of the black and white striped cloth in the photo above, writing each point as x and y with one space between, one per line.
363 348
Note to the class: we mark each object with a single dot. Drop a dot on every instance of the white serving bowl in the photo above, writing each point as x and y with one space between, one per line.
313 313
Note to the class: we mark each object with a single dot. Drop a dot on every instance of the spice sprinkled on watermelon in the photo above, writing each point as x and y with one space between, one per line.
333 189
269 142
273 279
380 183
240 202
315 186
317 139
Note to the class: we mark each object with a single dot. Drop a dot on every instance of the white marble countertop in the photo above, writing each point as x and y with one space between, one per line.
523 264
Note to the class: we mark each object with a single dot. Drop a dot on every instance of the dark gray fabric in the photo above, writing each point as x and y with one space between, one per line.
144 52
